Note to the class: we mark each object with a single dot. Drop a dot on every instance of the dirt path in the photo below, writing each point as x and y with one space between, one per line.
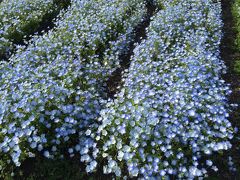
230 55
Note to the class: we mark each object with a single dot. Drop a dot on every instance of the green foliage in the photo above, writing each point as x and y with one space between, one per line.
6 169
236 17
237 66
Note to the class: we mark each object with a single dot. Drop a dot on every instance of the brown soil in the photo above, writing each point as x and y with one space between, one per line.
230 55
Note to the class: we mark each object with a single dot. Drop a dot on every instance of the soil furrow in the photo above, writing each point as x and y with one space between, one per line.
115 81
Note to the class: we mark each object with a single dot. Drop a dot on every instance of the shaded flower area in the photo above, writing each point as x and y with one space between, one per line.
19 19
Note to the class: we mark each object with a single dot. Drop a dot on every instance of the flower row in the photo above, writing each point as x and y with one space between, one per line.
172 111
51 93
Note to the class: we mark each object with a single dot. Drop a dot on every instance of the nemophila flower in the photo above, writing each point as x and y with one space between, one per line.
46 154
173 103
70 150
231 164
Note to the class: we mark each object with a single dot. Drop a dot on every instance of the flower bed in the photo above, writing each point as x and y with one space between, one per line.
172 110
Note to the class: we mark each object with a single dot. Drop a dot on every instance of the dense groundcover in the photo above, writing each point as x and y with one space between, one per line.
99 89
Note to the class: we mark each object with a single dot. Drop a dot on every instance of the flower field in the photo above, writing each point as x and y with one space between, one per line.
100 89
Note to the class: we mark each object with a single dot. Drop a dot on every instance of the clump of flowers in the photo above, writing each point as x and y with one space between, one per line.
172 110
